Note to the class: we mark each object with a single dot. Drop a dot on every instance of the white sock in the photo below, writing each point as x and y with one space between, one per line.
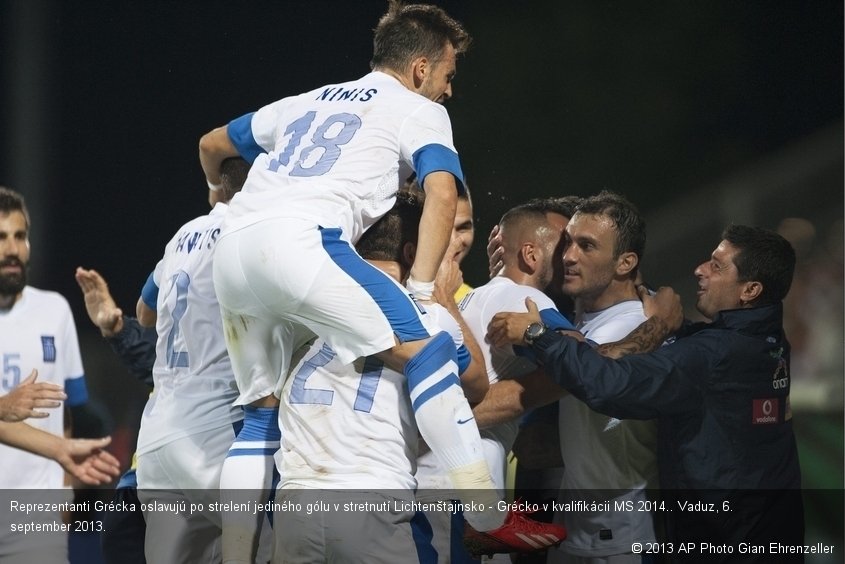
445 421
248 479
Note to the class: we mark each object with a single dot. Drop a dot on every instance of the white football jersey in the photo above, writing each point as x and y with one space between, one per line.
604 454
350 426
194 387
478 308
39 332
337 155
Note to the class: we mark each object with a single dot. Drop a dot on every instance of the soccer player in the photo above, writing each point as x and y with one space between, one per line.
36 331
530 237
189 421
350 427
605 459
463 234
329 163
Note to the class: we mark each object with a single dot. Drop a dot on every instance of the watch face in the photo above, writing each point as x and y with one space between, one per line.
534 331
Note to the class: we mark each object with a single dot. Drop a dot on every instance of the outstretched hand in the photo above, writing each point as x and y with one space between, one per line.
85 460
22 401
509 328
99 303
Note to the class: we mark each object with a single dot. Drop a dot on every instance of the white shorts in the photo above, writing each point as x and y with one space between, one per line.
183 477
281 281
332 534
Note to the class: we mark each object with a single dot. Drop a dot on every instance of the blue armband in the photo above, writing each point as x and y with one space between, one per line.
433 158
240 134
76 390
149 293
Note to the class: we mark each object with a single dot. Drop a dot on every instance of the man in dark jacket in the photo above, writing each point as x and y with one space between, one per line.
728 460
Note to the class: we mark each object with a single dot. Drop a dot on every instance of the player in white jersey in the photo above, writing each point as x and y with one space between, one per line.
328 164
606 459
530 238
605 239
351 427
189 421
36 332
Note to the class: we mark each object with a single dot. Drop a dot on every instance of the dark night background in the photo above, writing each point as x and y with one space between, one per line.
701 113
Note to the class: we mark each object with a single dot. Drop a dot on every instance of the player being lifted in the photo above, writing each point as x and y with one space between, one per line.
327 164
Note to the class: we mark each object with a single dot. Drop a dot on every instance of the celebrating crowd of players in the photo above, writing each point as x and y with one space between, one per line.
309 347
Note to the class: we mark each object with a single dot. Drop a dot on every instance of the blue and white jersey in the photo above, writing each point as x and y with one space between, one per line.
338 154
478 308
351 426
39 332
503 294
194 387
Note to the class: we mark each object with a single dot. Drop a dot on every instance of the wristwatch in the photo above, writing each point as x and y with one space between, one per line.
534 332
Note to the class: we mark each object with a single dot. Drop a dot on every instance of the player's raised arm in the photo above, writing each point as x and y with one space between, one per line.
99 303
441 202
215 147
474 380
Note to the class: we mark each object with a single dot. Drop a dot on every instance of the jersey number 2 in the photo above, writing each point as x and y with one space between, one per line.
180 282
370 376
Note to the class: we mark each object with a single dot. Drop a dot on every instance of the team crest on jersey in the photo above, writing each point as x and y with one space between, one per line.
48 347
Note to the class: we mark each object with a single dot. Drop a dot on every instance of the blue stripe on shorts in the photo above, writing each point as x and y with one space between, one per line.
395 304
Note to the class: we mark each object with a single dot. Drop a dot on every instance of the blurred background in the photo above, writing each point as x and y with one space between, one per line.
701 113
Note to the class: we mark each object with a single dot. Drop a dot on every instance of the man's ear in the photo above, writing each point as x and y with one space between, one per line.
626 263
420 67
409 253
528 257
750 292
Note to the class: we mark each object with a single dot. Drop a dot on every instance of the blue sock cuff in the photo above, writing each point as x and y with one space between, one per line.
432 371
260 424
435 354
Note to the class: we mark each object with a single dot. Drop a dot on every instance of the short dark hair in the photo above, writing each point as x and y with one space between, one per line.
520 215
765 257
630 226
386 238
11 201
233 173
409 31
562 205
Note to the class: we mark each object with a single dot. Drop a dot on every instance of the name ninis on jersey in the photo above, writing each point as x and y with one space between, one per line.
189 241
